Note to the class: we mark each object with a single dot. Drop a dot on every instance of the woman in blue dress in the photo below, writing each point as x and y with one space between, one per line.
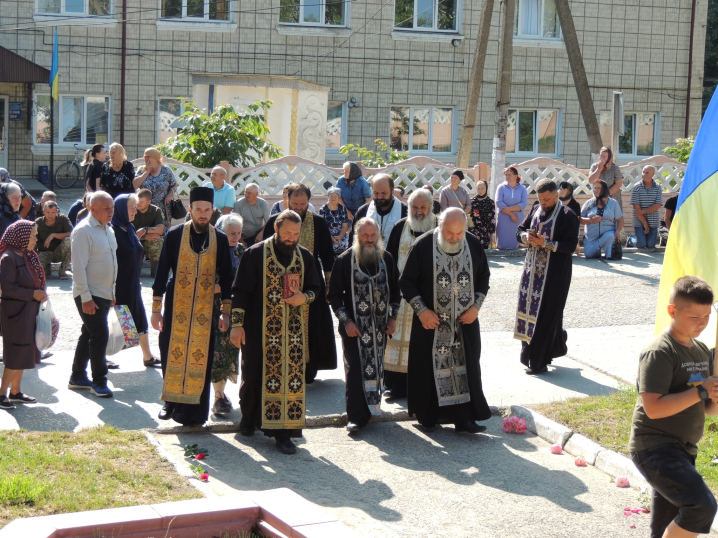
338 220
511 199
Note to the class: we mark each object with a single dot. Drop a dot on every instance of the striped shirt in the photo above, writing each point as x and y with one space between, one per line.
645 198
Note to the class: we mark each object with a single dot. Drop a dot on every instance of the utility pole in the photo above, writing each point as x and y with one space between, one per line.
503 94
477 75
583 92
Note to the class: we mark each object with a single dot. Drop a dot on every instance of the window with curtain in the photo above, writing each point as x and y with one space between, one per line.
532 132
83 120
75 7
312 12
426 14
639 135
168 110
196 10
336 130
422 129
536 19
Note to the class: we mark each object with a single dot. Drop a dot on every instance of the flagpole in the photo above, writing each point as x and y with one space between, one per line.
52 142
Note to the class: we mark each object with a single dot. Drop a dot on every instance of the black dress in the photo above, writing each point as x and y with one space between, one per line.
93 173
128 289
116 183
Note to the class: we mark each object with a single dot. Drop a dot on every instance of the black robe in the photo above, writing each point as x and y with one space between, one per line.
362 211
322 345
165 285
396 381
418 279
248 294
549 337
341 295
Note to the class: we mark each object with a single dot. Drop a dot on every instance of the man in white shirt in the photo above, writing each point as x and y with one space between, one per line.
94 270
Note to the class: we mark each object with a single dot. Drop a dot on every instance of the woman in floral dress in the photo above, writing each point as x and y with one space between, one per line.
338 220
483 212
158 178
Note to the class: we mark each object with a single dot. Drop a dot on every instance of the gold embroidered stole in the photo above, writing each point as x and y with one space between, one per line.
188 353
284 340
397 348
306 236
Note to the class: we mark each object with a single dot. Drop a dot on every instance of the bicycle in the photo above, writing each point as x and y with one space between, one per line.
68 173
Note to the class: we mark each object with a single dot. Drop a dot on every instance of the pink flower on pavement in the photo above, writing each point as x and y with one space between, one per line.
580 462
622 482
556 449
520 426
632 527
204 477
200 456
507 426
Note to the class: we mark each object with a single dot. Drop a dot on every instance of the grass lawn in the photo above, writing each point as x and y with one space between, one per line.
55 472
607 421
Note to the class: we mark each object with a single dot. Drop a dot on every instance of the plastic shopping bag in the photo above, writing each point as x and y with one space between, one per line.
123 333
47 326
116 341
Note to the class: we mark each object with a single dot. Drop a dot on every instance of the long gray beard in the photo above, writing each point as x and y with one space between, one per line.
449 248
367 256
421 226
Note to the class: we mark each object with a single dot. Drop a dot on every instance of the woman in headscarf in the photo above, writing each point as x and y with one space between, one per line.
22 282
28 207
158 178
603 219
128 289
338 220
10 203
454 195
483 212
226 356
355 190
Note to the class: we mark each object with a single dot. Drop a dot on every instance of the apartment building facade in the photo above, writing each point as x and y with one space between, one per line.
342 71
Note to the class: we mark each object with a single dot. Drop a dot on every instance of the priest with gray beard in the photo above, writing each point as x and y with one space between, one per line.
419 221
364 294
445 281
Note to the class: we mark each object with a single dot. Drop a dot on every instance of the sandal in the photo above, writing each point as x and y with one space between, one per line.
152 362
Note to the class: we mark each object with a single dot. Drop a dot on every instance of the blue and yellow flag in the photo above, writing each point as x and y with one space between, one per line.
54 76
693 241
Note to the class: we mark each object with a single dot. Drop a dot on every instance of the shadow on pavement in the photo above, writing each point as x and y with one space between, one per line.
571 379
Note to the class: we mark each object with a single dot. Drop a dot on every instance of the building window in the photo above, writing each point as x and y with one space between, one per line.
74 7
532 132
336 125
639 134
426 14
536 19
168 110
83 120
312 12
196 10
422 129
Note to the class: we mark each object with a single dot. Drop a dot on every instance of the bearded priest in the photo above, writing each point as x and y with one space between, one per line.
445 281
276 282
419 221
364 294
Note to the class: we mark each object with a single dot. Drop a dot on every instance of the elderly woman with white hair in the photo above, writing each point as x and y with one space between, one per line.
337 219
10 202
118 173
158 178
28 205
224 195
226 355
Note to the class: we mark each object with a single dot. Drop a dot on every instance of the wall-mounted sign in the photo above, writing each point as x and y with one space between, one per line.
15 112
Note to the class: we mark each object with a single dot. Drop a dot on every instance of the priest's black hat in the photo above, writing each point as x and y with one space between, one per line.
201 194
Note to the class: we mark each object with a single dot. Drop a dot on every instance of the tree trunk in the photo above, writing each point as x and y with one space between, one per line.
477 75
503 94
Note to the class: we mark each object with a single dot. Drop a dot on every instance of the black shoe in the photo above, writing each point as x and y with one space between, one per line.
166 411
22 398
285 445
112 366
428 428
353 427
227 402
531 371
220 407
245 430
5 403
469 427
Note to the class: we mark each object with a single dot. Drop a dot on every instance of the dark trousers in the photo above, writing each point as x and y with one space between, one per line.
679 492
92 344
251 240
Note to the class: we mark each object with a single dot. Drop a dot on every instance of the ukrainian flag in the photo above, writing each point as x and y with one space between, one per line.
693 242
54 76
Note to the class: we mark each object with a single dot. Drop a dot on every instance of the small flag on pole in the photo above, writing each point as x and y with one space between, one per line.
54 76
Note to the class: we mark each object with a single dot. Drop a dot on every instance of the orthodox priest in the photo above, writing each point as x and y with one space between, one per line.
420 220
384 208
445 281
550 230
364 294
276 283
194 256
317 239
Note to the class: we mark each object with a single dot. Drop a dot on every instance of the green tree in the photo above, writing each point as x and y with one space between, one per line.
239 137
682 150
378 157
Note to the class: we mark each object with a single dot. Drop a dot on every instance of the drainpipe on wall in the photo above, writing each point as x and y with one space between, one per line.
210 104
690 69
122 72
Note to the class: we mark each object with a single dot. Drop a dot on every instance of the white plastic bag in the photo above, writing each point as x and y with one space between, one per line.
47 326
116 341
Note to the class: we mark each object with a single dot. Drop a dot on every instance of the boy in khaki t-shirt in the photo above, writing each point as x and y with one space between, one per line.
676 389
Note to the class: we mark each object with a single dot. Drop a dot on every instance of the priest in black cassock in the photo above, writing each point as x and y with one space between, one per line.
269 325
317 239
364 294
385 209
445 281
551 232
194 256
419 221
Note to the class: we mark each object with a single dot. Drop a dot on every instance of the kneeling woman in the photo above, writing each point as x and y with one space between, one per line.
603 219
22 282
